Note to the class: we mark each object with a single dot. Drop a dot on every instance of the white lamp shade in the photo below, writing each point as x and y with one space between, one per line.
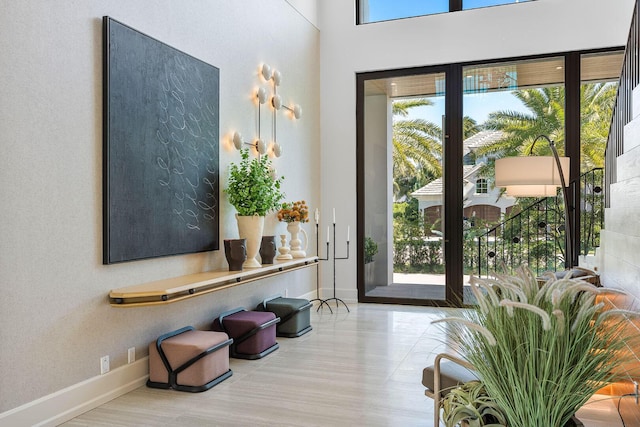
531 170
532 190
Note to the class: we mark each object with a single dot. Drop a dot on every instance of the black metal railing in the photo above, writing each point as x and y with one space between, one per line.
591 210
535 234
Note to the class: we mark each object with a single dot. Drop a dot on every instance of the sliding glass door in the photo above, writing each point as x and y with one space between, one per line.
429 214
403 205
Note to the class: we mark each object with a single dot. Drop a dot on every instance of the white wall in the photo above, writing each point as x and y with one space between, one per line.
55 320
378 199
620 238
538 27
307 8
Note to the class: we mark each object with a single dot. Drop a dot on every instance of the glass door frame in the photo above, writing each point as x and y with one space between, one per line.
453 166
453 210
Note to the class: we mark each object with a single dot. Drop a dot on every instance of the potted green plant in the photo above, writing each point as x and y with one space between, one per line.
541 351
470 405
254 191
370 249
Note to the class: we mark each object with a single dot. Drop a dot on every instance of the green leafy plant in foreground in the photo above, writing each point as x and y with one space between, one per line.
251 188
470 403
541 351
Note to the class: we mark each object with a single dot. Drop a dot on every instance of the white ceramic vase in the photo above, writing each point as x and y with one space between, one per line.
250 228
294 229
284 249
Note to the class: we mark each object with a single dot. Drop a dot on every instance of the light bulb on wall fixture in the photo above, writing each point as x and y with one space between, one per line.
261 95
277 77
237 140
276 101
296 110
259 145
273 173
276 149
266 71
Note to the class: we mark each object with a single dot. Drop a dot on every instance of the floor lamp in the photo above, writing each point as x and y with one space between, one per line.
538 176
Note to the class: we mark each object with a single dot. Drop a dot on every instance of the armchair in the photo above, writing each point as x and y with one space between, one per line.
443 376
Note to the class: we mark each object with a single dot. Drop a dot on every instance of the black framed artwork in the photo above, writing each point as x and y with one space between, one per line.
160 148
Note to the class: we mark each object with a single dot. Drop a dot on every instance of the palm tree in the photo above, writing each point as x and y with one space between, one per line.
546 117
417 146
470 127
402 107
597 102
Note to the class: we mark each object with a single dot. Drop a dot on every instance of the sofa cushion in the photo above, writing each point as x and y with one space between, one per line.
451 375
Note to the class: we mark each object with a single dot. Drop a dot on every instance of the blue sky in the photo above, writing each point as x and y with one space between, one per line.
382 10
477 106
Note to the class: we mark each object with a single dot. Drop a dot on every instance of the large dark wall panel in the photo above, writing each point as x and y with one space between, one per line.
161 139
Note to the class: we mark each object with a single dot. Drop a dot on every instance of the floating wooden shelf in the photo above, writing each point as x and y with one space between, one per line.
178 288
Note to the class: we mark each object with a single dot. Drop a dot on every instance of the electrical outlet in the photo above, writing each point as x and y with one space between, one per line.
286 293
104 365
131 355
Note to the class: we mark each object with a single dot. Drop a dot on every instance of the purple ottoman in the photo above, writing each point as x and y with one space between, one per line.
189 360
253 332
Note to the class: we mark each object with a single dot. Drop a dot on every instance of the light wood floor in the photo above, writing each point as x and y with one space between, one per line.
354 369
362 368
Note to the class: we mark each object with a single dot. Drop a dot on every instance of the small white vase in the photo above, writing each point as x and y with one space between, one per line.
296 249
250 228
284 249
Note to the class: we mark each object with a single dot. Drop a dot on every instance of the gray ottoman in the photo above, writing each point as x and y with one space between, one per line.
294 314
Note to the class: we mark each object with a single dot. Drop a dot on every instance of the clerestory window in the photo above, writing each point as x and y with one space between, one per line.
369 11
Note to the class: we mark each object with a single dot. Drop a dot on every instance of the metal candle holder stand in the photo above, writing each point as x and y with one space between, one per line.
318 273
334 298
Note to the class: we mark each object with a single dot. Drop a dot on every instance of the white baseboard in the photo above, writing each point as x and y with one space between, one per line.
77 399
347 295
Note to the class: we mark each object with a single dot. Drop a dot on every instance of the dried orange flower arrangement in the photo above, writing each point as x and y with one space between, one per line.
296 211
